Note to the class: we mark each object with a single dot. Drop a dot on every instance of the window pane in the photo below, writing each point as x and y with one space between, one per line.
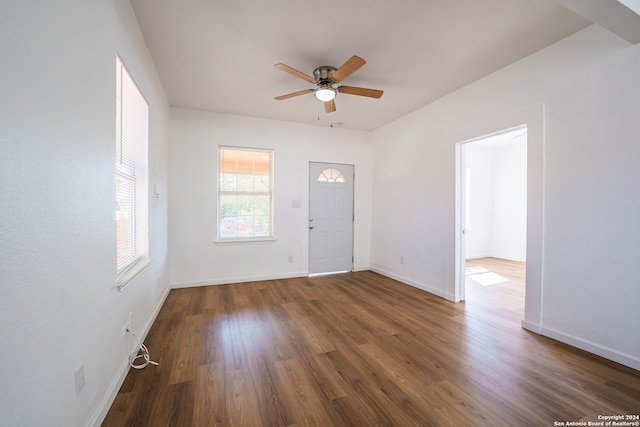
245 205
245 194
261 165
261 183
132 120
228 181
228 206
245 182
261 205
261 227
124 219
331 176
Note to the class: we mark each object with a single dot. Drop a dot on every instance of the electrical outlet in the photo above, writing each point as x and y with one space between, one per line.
401 260
80 382
290 259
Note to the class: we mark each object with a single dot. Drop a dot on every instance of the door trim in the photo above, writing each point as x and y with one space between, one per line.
533 117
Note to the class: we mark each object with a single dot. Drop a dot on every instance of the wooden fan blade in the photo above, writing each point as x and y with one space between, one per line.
291 95
361 91
295 72
330 106
347 68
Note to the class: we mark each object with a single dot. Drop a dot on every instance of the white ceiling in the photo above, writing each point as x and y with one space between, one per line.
218 55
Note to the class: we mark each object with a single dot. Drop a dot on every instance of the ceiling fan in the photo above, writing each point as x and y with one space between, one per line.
325 77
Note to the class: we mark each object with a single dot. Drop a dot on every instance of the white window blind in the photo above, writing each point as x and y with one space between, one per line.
132 118
245 194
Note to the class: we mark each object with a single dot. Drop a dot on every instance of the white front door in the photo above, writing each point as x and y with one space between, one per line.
330 217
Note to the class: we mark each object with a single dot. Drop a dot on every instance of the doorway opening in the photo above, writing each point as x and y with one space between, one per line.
493 180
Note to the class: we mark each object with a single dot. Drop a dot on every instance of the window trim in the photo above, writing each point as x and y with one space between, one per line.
133 270
247 240
140 261
218 240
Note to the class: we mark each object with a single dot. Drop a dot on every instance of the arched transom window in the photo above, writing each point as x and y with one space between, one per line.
331 176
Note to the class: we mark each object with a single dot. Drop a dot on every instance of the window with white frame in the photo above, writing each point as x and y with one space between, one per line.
245 193
132 123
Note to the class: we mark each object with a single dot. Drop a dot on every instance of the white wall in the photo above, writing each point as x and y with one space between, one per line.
498 201
478 237
195 137
584 146
509 219
60 308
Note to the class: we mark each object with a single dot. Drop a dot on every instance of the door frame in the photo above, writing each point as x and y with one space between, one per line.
533 118
353 197
461 204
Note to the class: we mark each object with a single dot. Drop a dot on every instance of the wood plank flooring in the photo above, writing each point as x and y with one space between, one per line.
502 301
360 349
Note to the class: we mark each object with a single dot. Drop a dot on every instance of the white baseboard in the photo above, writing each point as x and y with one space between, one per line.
385 271
476 256
510 257
591 347
499 256
229 280
529 326
243 279
102 410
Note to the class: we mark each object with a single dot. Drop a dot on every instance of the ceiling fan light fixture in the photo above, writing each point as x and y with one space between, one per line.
324 78
325 94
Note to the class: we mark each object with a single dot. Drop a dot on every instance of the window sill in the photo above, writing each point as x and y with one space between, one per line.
134 270
253 241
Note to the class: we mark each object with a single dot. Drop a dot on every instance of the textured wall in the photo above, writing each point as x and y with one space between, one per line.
59 308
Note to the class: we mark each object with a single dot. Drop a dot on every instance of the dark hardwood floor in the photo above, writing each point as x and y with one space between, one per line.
360 349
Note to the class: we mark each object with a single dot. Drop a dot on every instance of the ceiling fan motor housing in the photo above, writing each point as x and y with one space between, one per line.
323 75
